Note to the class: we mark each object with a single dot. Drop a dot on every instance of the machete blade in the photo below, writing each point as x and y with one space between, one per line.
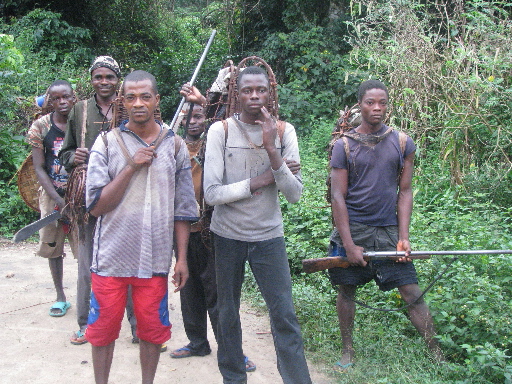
25 232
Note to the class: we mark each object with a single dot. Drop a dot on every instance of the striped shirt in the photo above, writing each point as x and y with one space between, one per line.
136 238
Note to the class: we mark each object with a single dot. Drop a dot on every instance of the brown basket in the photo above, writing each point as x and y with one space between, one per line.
234 104
28 185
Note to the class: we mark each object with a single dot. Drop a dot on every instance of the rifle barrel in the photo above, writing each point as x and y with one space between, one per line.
194 76
385 254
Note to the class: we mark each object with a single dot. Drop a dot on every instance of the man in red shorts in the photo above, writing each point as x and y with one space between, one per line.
139 186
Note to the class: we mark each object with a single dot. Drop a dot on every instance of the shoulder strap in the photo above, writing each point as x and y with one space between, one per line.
162 136
84 125
281 126
402 140
346 146
177 145
122 145
225 124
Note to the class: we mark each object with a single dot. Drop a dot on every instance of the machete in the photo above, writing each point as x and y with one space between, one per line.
27 231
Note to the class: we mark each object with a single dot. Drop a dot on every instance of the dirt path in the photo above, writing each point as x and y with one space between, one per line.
36 350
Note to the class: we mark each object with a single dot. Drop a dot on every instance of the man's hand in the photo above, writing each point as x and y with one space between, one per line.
81 156
180 276
292 165
60 203
404 245
269 128
355 256
144 156
192 94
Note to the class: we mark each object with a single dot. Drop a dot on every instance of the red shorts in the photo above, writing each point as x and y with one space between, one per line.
108 301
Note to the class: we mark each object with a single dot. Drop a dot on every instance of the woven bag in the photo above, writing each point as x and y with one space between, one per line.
28 185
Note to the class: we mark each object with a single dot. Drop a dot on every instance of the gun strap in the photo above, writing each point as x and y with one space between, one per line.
84 125
407 305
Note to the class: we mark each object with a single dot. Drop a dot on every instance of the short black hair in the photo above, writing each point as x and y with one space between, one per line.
139 75
56 83
370 84
252 70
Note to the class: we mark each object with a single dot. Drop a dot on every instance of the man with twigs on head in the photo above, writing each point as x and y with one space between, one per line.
371 194
250 157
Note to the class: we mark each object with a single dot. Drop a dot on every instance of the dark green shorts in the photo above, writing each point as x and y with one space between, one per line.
387 274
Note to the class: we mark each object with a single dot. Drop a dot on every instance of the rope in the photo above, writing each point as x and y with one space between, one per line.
29 306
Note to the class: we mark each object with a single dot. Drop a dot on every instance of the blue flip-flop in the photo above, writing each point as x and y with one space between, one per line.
178 355
249 365
343 367
63 306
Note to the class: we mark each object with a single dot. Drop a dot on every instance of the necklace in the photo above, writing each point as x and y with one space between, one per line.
246 135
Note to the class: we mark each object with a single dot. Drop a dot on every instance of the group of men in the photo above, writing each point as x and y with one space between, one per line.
144 184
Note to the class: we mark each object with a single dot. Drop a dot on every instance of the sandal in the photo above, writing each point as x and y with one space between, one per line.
61 306
78 338
181 353
249 365
343 367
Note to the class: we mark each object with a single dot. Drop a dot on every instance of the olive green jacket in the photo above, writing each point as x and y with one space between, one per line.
95 123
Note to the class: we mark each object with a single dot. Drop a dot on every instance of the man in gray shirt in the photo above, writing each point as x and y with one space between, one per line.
248 160
139 186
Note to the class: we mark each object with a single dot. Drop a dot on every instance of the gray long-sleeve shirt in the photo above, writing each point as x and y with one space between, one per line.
228 168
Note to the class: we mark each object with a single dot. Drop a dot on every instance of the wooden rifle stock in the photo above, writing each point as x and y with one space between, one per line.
320 264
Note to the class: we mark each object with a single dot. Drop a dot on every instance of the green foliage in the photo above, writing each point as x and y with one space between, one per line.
12 153
11 66
449 74
52 49
44 34
316 78
174 65
470 304
308 224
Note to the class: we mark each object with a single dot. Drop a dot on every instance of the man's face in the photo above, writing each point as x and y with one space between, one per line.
196 124
253 93
104 81
140 101
373 106
61 98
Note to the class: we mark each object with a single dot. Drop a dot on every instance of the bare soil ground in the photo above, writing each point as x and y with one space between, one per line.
36 348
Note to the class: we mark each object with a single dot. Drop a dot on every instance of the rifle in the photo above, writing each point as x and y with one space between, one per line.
194 76
315 265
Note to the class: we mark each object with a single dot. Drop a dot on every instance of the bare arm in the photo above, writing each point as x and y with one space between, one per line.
113 192
43 178
181 234
339 188
404 206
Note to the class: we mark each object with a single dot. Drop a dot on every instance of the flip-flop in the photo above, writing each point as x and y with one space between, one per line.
249 365
343 367
63 306
78 338
177 355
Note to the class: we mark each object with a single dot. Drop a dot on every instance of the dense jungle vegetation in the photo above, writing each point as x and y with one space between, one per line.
448 65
